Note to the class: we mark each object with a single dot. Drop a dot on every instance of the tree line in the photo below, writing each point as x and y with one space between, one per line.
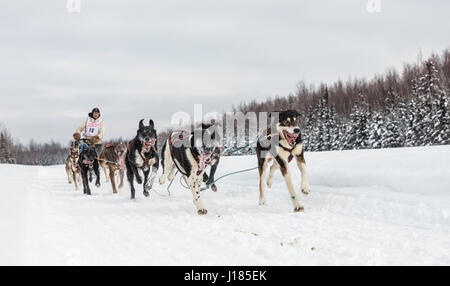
389 111
33 153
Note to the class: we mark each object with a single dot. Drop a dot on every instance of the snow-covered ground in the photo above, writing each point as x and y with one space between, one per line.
374 207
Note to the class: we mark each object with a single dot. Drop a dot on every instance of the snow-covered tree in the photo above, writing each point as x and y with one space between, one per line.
441 120
357 134
377 131
6 145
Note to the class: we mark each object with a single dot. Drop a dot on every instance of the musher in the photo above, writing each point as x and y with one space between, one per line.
93 128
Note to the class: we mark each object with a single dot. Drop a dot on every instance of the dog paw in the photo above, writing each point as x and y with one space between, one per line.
262 202
147 187
299 209
269 184
202 212
97 184
138 180
146 193
305 191
120 186
214 188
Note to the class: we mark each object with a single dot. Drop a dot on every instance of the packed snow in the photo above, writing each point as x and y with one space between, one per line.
372 207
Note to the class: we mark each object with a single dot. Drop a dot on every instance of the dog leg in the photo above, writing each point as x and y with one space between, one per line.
172 173
149 184
130 177
262 164
78 179
136 174
75 180
194 183
69 173
121 175
145 185
112 177
86 189
302 167
273 168
104 170
97 174
287 178
167 164
210 178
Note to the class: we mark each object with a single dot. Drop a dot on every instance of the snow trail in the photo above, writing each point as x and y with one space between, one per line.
373 207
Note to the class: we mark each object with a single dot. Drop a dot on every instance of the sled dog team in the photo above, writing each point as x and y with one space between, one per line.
187 153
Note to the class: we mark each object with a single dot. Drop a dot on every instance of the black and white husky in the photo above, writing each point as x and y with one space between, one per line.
142 154
190 154
288 146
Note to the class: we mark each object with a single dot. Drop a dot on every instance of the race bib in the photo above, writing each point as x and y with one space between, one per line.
91 128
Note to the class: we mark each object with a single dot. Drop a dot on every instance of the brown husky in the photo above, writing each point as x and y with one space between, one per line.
72 166
113 156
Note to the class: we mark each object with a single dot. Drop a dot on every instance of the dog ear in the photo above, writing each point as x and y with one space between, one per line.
151 124
141 124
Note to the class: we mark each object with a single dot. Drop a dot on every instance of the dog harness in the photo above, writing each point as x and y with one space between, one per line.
290 152
180 137
268 137
145 159
196 156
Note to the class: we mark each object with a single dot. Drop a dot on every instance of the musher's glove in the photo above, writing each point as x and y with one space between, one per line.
76 136
95 140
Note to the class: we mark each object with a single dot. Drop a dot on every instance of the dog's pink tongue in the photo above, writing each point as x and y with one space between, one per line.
292 138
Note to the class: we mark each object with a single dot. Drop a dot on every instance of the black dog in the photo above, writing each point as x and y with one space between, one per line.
88 163
190 154
142 153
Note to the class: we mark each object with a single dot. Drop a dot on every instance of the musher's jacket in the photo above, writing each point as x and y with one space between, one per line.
92 127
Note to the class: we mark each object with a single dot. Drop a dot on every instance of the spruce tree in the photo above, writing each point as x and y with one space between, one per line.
377 131
357 134
441 121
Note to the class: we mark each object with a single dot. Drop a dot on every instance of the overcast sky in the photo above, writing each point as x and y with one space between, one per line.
149 59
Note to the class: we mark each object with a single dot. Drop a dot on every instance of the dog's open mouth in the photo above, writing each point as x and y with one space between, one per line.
290 137
149 144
